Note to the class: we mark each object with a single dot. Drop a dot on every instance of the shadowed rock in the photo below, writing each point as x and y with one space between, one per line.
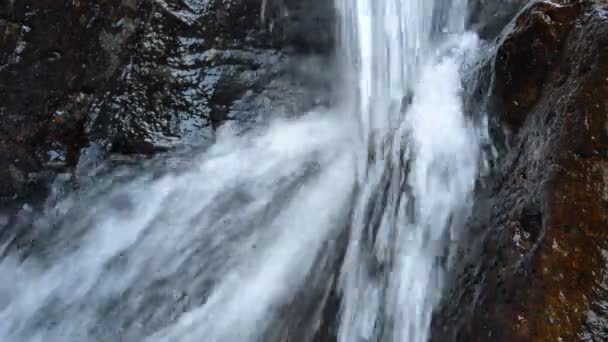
527 54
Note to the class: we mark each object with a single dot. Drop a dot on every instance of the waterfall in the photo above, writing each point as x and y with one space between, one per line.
217 250
420 168
207 253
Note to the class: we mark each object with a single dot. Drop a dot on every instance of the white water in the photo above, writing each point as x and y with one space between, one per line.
247 219
216 252
421 166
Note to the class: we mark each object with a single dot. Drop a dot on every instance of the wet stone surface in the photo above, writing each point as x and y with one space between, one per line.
142 77
489 17
123 80
535 264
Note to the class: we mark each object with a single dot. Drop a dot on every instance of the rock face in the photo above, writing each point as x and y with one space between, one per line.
527 54
138 77
489 17
537 270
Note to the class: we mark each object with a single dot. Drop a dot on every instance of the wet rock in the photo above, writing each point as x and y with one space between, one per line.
11 38
54 60
527 54
535 265
306 27
142 77
489 17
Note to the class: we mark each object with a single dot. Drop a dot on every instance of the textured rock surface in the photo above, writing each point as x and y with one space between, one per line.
137 77
489 17
527 54
536 268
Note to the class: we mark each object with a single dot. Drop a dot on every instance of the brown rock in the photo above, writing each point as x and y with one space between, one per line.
528 53
540 269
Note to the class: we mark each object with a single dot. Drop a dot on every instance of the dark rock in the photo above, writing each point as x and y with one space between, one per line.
535 268
489 17
528 53
141 77
307 27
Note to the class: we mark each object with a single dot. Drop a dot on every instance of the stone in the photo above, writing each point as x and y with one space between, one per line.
490 17
526 55
535 267
143 77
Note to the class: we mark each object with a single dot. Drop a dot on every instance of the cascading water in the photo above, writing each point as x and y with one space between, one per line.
420 167
217 251
205 254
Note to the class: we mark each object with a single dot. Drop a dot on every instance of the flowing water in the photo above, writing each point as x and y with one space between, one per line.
420 167
241 243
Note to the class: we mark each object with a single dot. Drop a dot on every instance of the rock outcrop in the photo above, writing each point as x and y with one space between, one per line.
138 77
536 267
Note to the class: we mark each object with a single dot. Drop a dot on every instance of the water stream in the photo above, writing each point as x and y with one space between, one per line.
223 249
420 167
